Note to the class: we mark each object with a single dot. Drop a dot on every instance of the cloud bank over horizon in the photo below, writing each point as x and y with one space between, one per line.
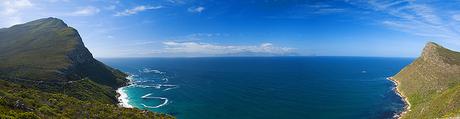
266 49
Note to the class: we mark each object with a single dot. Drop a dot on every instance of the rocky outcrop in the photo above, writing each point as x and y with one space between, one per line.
431 83
80 54
49 50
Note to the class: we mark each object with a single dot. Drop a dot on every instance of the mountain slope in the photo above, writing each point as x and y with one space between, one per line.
51 56
432 83
24 103
48 50
47 72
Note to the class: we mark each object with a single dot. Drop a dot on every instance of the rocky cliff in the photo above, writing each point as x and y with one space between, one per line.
47 72
51 56
431 83
49 50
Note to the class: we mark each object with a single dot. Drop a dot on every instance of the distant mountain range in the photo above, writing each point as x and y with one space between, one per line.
47 72
431 84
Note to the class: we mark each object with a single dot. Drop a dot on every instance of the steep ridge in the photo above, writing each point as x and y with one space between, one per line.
431 83
48 50
47 72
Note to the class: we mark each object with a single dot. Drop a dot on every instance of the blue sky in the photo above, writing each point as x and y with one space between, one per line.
190 28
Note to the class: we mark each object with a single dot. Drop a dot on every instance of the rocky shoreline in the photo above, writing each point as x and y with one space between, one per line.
403 98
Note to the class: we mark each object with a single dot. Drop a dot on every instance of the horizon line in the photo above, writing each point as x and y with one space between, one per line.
252 56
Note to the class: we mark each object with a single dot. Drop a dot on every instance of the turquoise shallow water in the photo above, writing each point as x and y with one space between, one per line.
264 87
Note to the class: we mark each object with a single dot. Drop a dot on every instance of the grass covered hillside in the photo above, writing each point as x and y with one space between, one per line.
47 72
49 50
432 83
17 101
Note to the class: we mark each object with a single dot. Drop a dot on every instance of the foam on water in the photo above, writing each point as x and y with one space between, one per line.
165 80
147 70
138 82
170 87
123 98
144 81
157 86
145 96
160 105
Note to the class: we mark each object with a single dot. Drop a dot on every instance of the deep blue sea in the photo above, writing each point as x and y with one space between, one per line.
264 87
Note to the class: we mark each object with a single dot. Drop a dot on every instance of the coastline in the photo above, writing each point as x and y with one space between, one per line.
122 96
403 98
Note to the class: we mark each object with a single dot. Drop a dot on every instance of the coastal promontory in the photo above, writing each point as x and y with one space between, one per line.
431 84
47 72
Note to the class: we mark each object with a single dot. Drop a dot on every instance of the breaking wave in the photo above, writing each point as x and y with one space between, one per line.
170 87
147 70
165 101
123 98
156 86
156 80
165 80
147 95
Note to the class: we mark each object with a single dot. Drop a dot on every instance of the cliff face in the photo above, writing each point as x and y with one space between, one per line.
47 72
51 56
49 50
432 83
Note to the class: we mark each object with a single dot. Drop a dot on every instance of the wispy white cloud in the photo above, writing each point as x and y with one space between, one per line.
197 9
196 48
136 10
176 1
10 11
324 9
456 17
329 10
110 7
416 18
86 11
13 6
207 34
58 0
204 36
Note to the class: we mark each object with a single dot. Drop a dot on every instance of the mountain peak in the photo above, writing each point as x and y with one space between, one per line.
431 46
49 50
49 22
436 52
431 82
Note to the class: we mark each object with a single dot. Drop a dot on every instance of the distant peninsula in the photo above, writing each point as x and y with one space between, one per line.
430 85
47 72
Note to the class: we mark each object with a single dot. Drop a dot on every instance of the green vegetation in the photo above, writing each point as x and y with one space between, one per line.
84 89
48 50
432 83
47 72
17 101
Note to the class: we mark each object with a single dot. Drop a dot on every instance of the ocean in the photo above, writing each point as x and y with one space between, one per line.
264 87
